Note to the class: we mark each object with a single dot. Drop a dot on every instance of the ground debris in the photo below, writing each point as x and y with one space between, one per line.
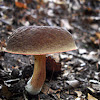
73 75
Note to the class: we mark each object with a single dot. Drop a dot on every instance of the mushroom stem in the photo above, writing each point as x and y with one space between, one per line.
36 82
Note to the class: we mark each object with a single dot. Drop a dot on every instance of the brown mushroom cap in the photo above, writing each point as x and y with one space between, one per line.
39 40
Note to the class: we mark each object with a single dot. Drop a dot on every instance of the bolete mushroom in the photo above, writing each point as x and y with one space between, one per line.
39 41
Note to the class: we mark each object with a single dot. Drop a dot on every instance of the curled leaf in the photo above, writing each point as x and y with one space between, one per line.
20 5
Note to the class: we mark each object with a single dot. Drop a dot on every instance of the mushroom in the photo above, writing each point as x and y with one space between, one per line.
39 41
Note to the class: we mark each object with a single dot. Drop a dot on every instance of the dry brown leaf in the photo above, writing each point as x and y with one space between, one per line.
55 56
92 39
90 97
97 42
40 3
98 35
16 67
20 4
58 95
2 43
5 92
47 90
52 65
28 1
79 93
89 9
9 27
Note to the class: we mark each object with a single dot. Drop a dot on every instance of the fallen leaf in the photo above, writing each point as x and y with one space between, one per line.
59 2
20 4
5 92
28 1
79 93
47 90
82 51
9 27
90 97
16 67
40 3
98 35
89 9
52 65
2 43
78 98
92 39
73 83
65 23
94 26
24 22
97 42
58 95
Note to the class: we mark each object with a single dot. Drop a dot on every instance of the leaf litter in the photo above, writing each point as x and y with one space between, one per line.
72 75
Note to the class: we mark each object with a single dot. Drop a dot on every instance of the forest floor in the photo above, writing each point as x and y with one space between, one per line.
78 76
